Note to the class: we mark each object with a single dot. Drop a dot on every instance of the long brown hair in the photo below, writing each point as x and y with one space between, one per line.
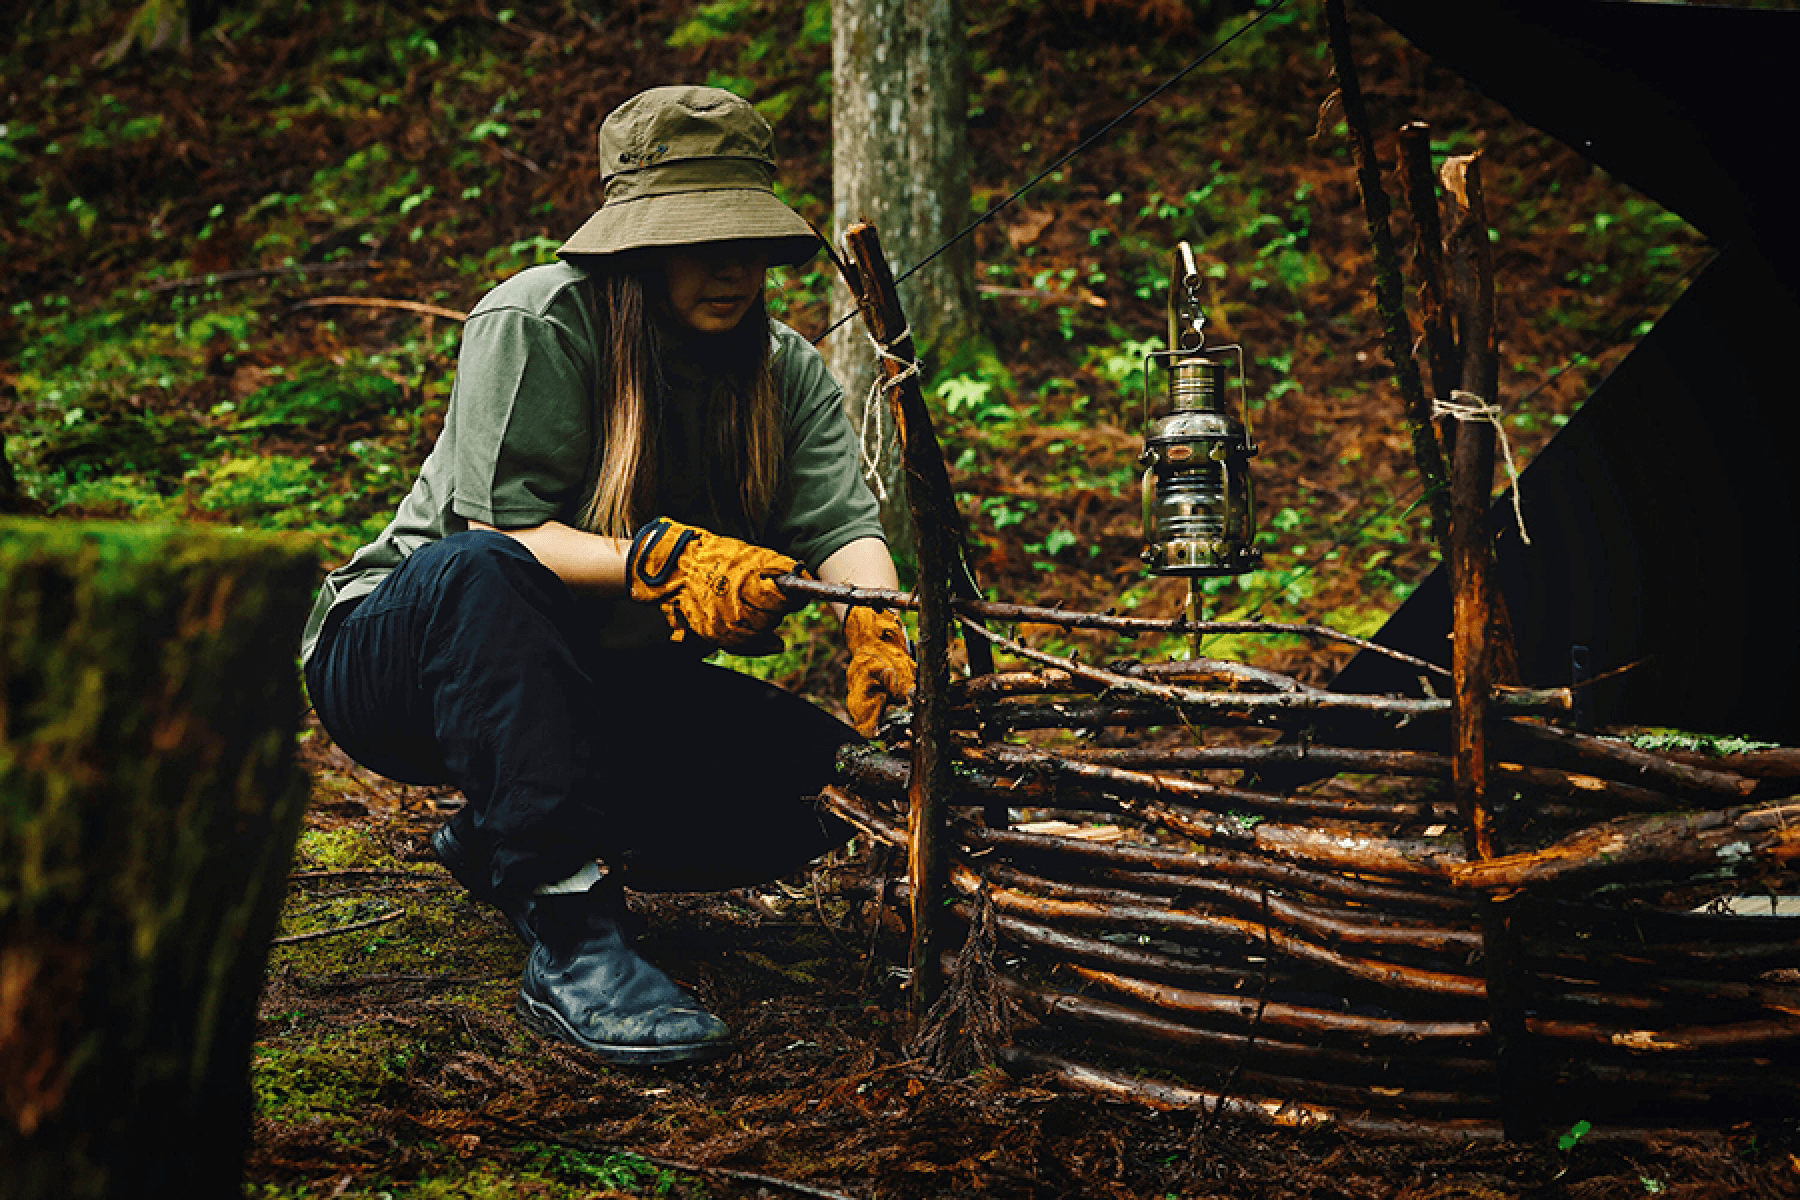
743 455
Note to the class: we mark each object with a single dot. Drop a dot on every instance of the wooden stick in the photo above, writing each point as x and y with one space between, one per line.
1471 483
1285 1114
1256 934
1639 765
291 938
928 486
1246 1011
1428 262
1470 549
1144 866
1052 680
1413 859
1206 859
414 306
1210 796
1308 1061
1745 1035
1776 764
194 281
1523 699
1035 614
1732 840
1338 926
934 520
1575 784
1396 330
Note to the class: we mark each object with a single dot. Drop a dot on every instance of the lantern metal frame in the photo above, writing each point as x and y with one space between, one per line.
1199 499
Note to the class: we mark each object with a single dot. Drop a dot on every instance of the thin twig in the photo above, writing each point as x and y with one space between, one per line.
1389 300
218 277
350 983
359 873
884 598
514 156
1189 698
761 1180
429 310
337 929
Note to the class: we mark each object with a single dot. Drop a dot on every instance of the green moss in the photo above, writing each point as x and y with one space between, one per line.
332 1080
345 847
1715 745
548 1174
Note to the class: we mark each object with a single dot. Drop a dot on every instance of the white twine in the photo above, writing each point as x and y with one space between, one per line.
1467 406
873 439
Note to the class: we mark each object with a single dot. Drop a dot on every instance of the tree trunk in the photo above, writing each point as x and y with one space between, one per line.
899 101
148 808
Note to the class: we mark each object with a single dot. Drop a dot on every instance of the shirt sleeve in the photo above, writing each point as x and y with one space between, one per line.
824 505
520 417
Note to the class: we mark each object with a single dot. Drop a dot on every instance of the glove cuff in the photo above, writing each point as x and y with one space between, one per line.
647 581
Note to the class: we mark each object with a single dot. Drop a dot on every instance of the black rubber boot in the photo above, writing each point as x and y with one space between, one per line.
584 984
470 868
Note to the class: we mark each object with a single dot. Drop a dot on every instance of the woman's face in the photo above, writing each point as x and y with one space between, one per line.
712 286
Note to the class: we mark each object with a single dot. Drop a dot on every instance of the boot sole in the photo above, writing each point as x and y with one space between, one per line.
545 1021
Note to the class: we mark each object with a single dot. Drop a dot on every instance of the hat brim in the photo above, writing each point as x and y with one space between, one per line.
695 218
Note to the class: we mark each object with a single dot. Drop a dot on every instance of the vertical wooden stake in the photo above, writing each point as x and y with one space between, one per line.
1446 356
1428 261
1471 485
1389 296
936 523
1474 624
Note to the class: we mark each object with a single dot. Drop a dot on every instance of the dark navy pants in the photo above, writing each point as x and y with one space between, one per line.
472 664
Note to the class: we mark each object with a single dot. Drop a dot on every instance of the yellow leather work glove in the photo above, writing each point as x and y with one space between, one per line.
881 668
710 587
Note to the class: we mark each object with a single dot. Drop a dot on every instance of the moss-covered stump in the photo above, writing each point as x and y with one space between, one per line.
148 808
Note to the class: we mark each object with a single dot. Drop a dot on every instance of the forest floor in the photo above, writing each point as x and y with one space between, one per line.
343 156
389 1064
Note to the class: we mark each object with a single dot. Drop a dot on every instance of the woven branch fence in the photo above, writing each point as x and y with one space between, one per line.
1255 897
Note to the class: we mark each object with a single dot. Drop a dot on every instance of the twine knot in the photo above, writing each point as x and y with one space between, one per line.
1467 406
873 438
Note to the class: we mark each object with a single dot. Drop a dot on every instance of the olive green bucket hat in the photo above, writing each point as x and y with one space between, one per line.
687 165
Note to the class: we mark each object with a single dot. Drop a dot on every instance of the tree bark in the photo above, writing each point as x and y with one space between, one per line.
148 809
899 109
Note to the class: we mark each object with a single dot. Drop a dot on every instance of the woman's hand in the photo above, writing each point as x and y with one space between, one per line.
881 666
715 588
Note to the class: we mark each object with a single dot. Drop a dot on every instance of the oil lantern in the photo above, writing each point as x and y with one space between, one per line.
1199 516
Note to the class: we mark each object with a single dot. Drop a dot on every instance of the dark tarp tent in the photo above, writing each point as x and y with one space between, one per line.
1663 517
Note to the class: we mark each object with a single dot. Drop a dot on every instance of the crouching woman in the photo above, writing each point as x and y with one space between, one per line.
632 453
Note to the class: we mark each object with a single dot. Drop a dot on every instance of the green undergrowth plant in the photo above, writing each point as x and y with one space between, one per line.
756 39
164 407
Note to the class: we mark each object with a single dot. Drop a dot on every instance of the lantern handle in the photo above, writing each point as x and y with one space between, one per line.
1187 320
